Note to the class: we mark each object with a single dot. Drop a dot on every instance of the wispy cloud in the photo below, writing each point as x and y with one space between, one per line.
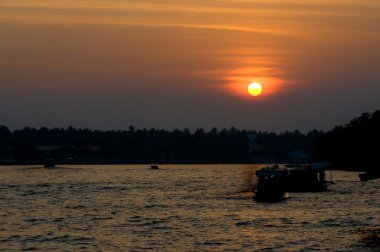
272 17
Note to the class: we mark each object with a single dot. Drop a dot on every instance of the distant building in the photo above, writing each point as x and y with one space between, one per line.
255 150
93 148
6 154
47 147
298 156
252 142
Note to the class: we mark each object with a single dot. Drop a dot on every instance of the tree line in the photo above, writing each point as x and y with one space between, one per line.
151 145
353 145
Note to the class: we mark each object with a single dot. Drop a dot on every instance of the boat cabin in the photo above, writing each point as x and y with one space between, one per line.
50 163
271 184
306 178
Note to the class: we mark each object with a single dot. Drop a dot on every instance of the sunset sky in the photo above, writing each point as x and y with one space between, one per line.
187 63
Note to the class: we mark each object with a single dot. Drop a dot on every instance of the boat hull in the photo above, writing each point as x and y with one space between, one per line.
369 176
271 197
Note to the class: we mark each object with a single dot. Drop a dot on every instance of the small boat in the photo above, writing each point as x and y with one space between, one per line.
271 184
369 175
307 177
50 163
154 167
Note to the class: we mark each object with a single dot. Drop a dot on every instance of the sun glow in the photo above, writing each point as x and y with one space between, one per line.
255 89
240 79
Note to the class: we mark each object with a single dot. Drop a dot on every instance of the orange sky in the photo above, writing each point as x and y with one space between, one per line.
167 64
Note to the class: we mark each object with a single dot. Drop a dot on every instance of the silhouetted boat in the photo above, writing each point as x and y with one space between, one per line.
154 167
50 163
307 177
271 184
369 176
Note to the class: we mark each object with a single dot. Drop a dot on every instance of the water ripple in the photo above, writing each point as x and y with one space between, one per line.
178 208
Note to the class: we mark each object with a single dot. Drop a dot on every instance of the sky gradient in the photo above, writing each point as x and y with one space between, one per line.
187 64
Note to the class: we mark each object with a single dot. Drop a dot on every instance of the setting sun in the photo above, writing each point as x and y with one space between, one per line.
254 89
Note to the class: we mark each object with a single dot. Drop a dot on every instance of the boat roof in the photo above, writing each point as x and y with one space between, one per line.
308 167
272 171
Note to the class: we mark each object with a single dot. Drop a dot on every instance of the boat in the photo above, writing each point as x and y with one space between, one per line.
307 177
369 175
50 163
271 184
154 167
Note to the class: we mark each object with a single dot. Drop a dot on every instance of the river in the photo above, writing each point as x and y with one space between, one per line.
178 208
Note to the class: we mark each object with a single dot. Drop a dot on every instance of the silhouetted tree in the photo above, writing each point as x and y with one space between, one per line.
354 145
133 145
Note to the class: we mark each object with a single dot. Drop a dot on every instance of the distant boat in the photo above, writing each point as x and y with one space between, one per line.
271 185
154 167
307 177
369 176
50 163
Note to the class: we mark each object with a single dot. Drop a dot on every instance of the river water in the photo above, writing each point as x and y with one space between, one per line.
178 208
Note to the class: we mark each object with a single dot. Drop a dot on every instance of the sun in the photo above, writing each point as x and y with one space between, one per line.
255 89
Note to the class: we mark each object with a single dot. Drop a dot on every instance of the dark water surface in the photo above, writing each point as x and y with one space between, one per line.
177 208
